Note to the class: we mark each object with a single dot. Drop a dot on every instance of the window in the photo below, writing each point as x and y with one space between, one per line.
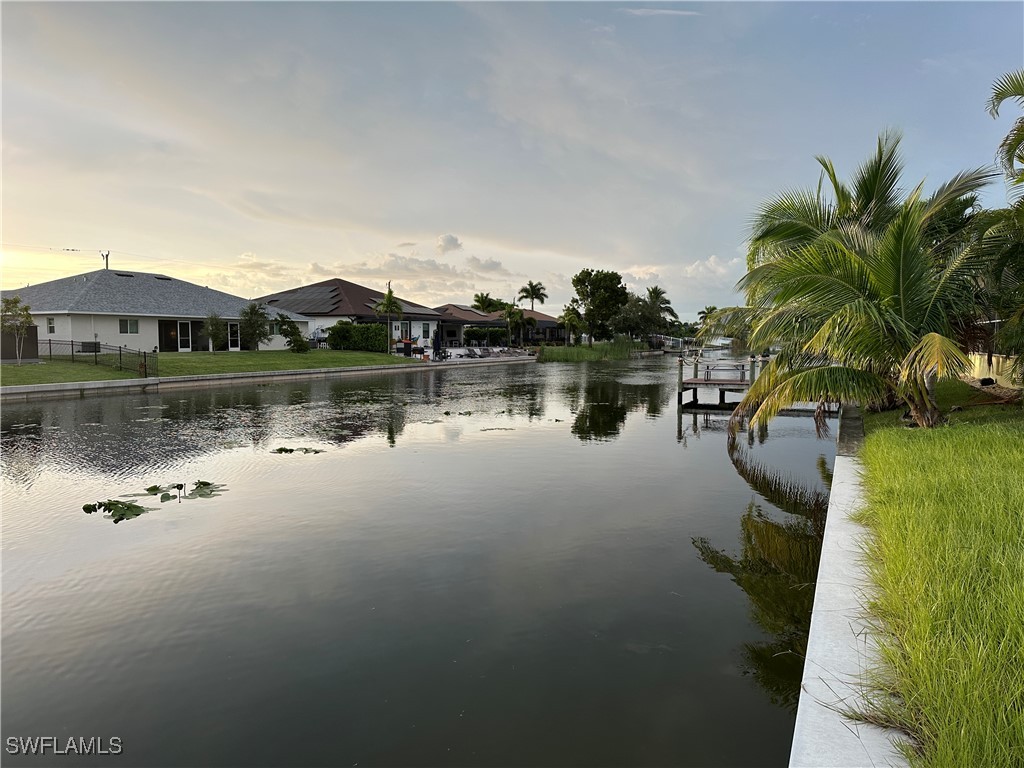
128 325
426 331
275 328
51 325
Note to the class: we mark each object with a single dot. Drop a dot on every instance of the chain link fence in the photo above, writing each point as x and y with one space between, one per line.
142 364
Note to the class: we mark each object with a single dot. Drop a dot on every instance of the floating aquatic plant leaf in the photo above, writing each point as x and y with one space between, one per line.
283 450
154 489
116 509
294 450
205 490
166 497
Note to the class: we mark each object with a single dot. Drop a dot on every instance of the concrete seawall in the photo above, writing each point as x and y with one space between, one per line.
841 645
77 389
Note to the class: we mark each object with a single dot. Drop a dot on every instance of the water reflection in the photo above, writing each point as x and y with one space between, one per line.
458 598
607 401
777 568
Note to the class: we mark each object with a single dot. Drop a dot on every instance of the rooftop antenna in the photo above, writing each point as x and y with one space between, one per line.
106 259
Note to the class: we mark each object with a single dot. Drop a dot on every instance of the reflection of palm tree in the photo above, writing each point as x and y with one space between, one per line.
534 292
777 570
389 305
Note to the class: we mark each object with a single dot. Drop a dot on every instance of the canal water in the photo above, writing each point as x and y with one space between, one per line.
524 565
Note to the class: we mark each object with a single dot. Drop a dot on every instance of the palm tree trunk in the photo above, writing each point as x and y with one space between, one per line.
923 408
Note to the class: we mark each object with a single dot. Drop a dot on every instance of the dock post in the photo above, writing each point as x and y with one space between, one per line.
679 385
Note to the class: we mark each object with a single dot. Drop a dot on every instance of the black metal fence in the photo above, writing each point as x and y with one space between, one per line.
142 364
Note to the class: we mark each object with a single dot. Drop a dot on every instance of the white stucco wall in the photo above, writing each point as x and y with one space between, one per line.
102 328
106 329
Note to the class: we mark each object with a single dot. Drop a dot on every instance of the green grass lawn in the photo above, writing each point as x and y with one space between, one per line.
56 371
194 363
946 509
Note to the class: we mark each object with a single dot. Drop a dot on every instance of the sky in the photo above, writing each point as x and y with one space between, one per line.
460 148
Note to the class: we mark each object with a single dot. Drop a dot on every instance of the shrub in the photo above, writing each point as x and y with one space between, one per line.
372 337
293 337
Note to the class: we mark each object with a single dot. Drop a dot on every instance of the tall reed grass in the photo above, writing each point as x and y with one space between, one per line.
617 349
946 509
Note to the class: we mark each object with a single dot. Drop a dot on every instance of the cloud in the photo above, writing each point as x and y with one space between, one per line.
405 245
448 243
715 267
656 12
317 269
488 266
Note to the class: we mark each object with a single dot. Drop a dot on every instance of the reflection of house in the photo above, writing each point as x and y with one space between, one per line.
138 310
330 301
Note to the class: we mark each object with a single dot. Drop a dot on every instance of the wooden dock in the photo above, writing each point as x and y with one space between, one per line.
725 377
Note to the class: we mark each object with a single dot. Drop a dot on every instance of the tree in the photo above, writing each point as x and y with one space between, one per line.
660 307
514 317
1011 150
389 305
254 325
1002 233
600 294
572 319
16 319
485 303
533 292
704 314
636 318
216 330
293 337
863 299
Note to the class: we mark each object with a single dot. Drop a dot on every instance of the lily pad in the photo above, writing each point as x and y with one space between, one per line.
116 509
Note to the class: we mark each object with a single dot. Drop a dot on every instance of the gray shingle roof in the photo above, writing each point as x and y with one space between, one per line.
340 298
120 292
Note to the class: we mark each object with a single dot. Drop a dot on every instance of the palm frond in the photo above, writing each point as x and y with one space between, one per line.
1009 86
937 354
830 383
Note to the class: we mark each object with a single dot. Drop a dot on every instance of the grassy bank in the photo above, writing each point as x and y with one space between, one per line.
610 350
946 509
197 363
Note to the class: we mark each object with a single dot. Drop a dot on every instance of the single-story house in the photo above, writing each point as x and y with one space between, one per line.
457 317
335 300
547 328
138 310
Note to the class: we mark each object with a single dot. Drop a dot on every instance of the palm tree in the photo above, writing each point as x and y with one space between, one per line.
514 317
534 292
704 314
1011 150
866 302
485 303
389 305
660 306
572 320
